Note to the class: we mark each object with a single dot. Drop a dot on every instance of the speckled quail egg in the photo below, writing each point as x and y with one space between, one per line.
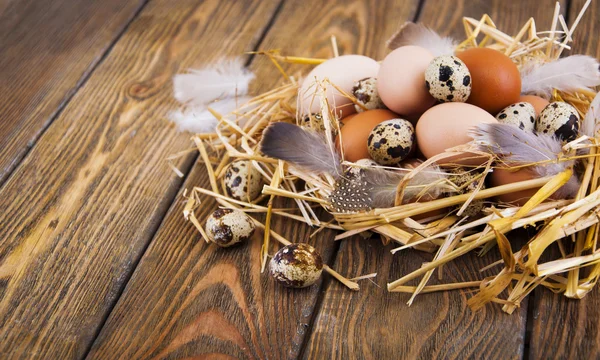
358 170
242 181
448 79
365 92
296 265
560 119
468 181
521 114
313 121
391 141
226 227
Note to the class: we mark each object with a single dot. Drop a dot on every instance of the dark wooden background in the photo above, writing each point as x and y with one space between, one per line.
96 260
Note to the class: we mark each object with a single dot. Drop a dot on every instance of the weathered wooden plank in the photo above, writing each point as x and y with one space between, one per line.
563 328
48 50
375 324
211 302
82 207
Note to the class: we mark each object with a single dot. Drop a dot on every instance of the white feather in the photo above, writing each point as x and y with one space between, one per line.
567 74
420 35
227 78
591 122
198 120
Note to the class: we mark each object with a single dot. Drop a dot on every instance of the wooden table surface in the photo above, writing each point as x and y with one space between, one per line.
96 260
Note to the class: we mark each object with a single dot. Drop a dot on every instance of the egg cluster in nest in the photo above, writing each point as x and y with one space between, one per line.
443 148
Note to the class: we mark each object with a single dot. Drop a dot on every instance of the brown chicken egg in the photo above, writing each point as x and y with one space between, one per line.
504 176
401 80
355 133
538 103
496 82
447 125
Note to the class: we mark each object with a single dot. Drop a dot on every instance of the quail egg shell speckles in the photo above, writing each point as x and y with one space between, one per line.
365 92
242 181
226 227
468 181
296 265
313 121
448 79
391 141
521 114
560 119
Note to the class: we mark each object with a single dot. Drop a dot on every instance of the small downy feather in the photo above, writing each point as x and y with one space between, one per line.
376 188
567 74
591 122
199 120
303 148
519 146
227 78
420 35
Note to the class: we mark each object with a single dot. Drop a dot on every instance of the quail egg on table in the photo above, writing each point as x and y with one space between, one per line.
521 114
448 79
242 181
365 92
560 119
391 141
226 227
296 265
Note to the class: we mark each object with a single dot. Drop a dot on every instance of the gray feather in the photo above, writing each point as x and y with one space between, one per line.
382 185
300 147
518 146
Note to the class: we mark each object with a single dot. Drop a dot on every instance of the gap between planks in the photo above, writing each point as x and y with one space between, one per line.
186 169
68 97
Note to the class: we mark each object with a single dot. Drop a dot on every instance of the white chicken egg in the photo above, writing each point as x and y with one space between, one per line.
342 71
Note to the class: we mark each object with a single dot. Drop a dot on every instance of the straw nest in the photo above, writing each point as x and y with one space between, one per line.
572 225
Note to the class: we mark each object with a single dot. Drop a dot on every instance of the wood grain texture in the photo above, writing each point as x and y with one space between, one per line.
565 328
359 27
509 16
375 324
48 48
204 301
208 302
85 202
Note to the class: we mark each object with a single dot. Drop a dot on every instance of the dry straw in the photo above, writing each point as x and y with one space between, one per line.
574 273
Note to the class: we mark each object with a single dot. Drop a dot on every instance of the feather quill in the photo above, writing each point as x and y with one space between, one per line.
567 74
591 122
303 148
227 78
382 186
199 120
521 147
420 35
